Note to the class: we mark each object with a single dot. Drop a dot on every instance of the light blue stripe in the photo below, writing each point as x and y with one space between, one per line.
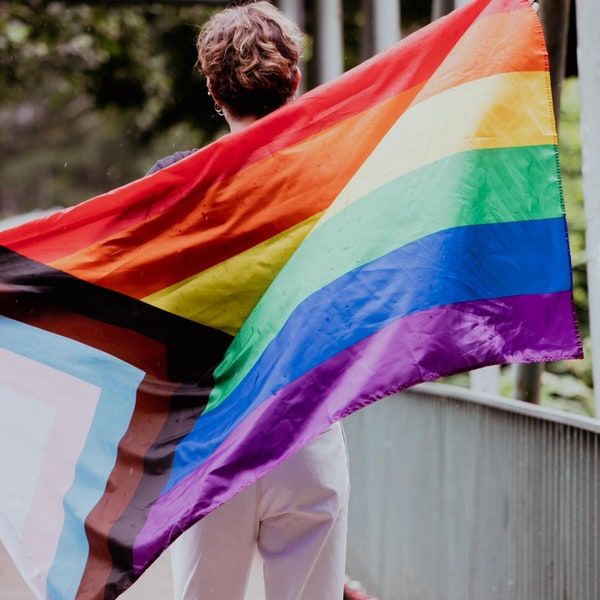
118 382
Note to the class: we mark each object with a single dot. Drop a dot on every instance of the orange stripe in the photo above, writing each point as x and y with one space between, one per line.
263 201
236 214
482 52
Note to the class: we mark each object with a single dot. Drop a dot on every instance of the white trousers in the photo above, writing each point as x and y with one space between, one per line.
295 515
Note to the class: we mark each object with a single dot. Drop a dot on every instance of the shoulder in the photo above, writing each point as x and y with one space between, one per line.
170 160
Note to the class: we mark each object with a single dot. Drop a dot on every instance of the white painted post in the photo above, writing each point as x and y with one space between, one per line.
294 10
486 380
588 56
386 23
439 8
330 39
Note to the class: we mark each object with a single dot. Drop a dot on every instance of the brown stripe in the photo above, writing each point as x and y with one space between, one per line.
149 417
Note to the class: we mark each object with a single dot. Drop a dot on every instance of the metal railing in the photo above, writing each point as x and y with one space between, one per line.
460 496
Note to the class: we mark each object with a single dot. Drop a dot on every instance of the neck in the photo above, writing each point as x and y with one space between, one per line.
239 123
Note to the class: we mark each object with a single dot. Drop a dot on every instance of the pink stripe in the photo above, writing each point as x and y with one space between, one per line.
435 343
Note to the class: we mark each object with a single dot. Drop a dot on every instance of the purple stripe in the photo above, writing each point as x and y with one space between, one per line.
431 344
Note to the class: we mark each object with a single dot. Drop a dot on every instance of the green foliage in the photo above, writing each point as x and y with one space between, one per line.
137 58
92 96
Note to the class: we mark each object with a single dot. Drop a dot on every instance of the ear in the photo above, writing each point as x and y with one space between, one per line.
211 92
297 76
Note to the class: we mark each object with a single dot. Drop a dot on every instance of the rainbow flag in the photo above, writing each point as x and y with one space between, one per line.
402 223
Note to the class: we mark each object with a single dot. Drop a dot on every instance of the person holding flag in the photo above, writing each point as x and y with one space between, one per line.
295 515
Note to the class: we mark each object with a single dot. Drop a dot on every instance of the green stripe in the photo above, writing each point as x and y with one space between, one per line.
511 184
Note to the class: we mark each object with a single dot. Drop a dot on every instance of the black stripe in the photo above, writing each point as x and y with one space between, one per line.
193 350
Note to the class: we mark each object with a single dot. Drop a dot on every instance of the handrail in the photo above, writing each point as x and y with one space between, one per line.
457 495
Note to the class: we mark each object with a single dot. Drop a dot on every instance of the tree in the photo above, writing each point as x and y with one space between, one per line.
87 98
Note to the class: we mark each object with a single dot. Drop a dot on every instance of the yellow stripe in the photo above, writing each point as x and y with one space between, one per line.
224 295
504 110
500 111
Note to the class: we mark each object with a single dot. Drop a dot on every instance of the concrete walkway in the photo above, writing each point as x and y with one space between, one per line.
154 584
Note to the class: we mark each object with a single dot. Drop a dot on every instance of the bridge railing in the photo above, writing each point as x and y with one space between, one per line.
461 496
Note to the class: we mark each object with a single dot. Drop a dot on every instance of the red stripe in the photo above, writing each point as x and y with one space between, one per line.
365 86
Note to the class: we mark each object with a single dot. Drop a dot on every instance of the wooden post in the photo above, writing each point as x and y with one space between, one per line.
554 15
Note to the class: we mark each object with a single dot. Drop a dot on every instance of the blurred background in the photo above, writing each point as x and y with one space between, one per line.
93 93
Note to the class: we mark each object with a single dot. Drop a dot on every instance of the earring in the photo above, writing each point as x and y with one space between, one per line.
218 110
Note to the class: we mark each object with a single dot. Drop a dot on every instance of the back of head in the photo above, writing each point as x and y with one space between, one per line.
250 54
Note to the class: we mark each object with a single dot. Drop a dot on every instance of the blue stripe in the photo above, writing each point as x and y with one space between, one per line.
117 382
456 265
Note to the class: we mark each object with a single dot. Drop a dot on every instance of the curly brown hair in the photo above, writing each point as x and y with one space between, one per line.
250 54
